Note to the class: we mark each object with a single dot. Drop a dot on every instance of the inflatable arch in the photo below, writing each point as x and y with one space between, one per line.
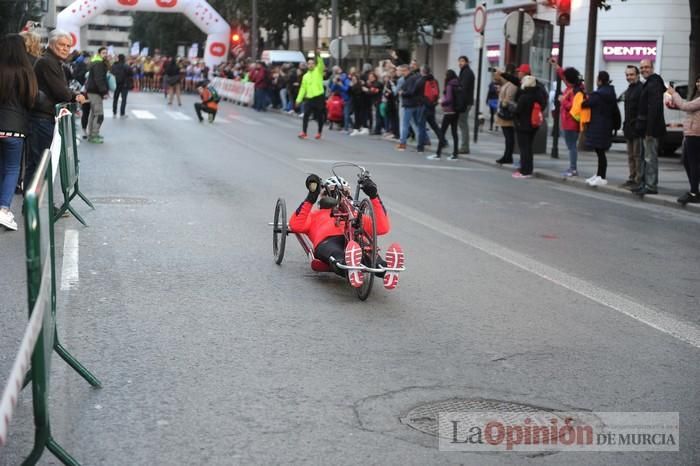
80 12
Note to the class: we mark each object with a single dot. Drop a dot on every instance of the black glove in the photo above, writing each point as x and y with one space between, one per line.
369 188
313 184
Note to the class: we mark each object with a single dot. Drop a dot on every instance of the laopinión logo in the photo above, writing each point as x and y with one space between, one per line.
558 431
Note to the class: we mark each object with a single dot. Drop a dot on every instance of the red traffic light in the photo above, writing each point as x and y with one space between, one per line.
235 38
563 12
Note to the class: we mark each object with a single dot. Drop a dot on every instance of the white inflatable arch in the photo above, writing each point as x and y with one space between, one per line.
80 12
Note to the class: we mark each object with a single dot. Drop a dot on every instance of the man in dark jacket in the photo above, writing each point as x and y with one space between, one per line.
124 77
97 90
466 80
53 89
650 126
634 143
412 103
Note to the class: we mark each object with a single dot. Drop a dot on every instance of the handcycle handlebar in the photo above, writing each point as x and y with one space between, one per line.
361 176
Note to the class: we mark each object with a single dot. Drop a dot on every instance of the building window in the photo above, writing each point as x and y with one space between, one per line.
497 2
471 3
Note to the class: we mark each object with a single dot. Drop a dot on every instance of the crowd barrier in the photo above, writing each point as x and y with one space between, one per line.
234 91
68 161
40 338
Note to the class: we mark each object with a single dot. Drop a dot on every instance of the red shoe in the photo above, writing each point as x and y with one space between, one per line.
302 135
318 136
353 258
394 260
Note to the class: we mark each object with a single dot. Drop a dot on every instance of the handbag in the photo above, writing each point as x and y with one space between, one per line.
111 82
506 110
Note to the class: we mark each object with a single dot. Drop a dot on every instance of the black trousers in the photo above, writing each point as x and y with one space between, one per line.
602 163
450 120
200 107
123 91
509 135
691 161
334 246
430 121
85 117
317 106
525 139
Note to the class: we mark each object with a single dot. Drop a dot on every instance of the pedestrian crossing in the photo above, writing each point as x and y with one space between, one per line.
221 118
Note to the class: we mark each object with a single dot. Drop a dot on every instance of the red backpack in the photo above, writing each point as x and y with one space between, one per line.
536 116
431 92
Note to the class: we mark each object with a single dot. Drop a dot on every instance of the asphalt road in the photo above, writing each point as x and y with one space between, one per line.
521 291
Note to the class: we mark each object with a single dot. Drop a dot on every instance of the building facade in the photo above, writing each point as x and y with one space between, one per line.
108 29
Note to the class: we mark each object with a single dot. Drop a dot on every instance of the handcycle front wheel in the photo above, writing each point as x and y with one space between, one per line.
365 234
279 231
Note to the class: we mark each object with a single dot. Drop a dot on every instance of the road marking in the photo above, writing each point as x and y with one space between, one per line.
401 165
245 120
177 115
683 331
143 115
69 269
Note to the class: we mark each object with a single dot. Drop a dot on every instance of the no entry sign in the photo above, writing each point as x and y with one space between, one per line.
480 18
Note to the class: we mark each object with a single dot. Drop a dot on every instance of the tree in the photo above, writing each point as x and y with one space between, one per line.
15 14
694 61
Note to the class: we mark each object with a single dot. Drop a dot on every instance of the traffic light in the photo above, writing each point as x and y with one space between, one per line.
563 12
236 38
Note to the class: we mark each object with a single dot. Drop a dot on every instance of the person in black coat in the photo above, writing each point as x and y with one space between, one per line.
466 80
603 104
525 132
650 126
634 143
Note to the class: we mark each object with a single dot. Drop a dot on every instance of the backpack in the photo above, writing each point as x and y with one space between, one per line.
215 97
460 99
431 92
536 116
617 118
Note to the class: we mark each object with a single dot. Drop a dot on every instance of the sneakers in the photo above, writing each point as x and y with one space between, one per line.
364 131
433 157
598 181
689 198
353 258
503 161
401 147
569 173
302 135
520 176
629 184
355 132
7 219
96 140
591 179
453 157
394 259
318 136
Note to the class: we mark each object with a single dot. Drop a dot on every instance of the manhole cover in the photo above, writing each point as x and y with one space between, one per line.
425 418
120 200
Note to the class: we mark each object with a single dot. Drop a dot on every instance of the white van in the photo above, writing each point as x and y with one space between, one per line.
279 57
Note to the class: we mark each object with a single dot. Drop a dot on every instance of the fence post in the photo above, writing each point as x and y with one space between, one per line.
69 162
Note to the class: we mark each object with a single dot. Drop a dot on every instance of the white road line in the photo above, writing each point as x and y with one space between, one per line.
143 115
69 270
402 165
245 120
177 115
683 331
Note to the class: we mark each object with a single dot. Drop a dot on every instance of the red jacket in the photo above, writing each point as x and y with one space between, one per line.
318 224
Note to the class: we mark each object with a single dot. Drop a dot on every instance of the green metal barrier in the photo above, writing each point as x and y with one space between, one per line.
41 291
69 163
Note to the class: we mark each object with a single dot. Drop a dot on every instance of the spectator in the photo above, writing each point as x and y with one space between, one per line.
32 42
691 143
412 105
466 79
650 126
390 101
359 105
97 89
505 116
492 101
341 85
570 127
634 143
525 132
18 91
260 79
431 96
449 116
603 105
124 77
53 89
172 80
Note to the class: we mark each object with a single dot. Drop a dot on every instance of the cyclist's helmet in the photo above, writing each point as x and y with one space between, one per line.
336 184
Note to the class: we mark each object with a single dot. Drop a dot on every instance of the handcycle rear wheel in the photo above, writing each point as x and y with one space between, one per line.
279 231
368 243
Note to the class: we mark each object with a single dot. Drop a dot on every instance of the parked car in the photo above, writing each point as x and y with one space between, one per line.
674 124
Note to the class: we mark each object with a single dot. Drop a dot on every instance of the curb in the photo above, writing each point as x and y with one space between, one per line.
656 199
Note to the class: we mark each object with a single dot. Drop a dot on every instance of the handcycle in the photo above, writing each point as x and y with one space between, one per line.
357 217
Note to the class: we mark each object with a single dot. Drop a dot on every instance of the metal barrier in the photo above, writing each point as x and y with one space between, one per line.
69 163
41 337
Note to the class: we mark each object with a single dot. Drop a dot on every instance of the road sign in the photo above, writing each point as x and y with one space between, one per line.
510 28
480 18
338 49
